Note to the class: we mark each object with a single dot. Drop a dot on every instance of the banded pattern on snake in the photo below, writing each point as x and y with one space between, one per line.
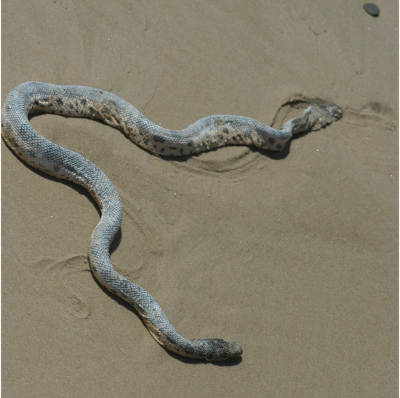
205 134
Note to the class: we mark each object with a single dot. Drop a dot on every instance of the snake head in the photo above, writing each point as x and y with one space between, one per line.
331 112
211 349
226 349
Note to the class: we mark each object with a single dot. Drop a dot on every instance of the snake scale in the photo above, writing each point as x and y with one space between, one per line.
205 134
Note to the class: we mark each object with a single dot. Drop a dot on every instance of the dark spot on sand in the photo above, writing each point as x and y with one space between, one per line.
371 9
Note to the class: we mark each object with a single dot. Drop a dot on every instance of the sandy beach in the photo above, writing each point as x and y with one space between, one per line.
294 255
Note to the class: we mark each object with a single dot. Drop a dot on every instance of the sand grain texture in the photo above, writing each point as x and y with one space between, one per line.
293 255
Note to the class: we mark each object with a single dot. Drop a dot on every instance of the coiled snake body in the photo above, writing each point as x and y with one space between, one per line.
210 132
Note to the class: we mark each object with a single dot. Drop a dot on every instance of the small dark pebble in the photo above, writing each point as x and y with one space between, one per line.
371 9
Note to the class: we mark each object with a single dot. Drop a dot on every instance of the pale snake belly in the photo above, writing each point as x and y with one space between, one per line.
205 134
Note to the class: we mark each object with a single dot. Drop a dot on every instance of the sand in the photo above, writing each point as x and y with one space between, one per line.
293 255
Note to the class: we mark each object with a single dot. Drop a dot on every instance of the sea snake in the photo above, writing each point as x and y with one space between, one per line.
205 134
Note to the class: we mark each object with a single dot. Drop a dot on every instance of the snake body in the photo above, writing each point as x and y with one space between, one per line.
205 134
